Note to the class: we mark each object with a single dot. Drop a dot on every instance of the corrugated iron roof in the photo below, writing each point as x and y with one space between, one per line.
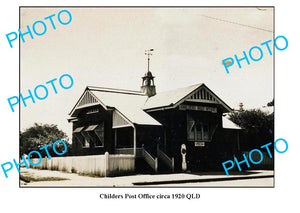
228 124
129 104
133 103
169 98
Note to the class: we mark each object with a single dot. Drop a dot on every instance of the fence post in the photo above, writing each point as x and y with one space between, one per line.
106 155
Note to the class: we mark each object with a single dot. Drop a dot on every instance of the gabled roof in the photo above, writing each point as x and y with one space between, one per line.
127 102
171 99
133 105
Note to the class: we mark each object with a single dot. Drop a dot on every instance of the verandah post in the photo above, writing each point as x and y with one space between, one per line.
134 141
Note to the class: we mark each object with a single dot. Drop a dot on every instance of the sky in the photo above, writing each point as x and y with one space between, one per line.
105 47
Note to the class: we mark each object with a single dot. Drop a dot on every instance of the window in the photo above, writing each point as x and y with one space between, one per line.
78 133
90 136
96 134
191 130
99 131
87 139
79 138
205 131
197 130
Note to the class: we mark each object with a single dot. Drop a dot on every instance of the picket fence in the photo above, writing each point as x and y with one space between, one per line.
95 165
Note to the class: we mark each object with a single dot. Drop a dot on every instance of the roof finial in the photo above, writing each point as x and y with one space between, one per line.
148 53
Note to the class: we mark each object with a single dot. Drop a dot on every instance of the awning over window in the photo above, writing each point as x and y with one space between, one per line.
78 129
91 128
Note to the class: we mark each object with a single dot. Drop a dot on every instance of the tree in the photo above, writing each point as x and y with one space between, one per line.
258 126
41 135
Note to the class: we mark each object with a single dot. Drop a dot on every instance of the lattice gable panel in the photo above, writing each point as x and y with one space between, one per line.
204 95
119 121
88 98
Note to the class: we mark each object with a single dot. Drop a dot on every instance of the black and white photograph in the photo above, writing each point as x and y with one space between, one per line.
143 106
146 97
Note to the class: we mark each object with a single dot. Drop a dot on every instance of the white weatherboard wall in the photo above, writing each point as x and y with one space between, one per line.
98 165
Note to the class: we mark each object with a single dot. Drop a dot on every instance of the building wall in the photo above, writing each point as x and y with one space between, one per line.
198 158
86 120
124 137
170 137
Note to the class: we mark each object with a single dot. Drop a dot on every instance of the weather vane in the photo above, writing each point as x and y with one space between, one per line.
148 53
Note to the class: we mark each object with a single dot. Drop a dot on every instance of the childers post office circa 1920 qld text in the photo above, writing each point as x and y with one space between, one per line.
157 131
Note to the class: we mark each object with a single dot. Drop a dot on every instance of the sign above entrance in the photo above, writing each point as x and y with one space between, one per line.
201 144
198 108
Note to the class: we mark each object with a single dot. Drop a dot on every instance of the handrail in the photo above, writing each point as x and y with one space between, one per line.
165 158
149 159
